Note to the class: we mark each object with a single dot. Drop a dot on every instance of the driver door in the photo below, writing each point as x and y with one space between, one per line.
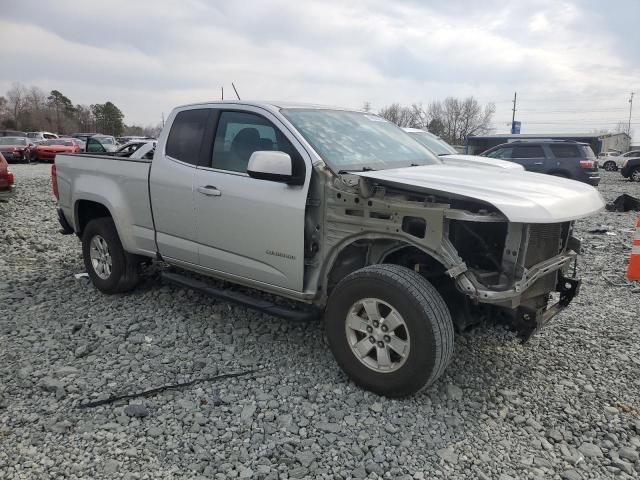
247 227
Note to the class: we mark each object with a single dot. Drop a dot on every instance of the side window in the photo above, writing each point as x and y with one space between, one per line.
501 153
528 151
185 137
564 151
240 134
94 146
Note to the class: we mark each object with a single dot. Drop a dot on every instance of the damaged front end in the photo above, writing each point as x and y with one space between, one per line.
512 270
518 268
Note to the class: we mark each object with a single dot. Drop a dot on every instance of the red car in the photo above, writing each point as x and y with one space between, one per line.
7 181
46 151
15 148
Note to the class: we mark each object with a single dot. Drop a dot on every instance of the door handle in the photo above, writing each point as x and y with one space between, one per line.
538 163
210 191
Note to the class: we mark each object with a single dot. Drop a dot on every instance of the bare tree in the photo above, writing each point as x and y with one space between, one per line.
37 113
623 127
16 102
84 120
4 110
413 116
455 119
366 106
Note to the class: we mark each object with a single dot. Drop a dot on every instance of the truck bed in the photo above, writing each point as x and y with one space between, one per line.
120 184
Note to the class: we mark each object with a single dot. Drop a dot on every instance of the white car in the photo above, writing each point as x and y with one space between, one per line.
39 136
613 163
450 156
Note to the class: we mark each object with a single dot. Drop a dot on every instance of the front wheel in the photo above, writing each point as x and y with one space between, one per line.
111 269
389 329
610 166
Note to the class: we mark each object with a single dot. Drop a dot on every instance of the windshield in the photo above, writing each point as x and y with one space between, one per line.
358 141
13 141
66 143
433 143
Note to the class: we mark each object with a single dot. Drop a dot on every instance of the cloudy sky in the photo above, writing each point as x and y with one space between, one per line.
573 63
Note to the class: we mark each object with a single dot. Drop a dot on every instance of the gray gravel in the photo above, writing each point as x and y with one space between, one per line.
564 406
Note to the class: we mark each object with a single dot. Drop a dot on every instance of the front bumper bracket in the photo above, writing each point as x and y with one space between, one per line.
529 320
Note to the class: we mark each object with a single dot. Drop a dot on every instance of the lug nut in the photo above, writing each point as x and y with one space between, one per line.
387 338
380 344
369 329
372 340
376 323
384 328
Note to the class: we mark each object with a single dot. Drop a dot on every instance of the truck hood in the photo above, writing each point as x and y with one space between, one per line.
521 196
477 161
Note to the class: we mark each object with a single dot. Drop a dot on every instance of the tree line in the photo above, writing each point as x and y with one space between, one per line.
452 119
29 108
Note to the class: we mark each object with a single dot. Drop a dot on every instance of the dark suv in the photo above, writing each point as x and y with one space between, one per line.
631 169
560 158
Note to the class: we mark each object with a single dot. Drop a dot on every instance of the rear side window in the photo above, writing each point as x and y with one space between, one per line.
528 151
587 152
186 135
564 151
240 134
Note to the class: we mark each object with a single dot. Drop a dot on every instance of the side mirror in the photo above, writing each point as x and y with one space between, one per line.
269 165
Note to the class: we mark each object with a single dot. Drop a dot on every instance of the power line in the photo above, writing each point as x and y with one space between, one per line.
506 122
595 110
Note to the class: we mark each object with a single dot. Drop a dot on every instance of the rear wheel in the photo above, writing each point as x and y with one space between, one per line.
389 330
110 268
610 166
635 175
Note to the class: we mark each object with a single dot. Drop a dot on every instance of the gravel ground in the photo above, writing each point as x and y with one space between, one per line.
566 405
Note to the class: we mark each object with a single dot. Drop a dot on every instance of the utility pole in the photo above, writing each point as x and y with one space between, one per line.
513 117
221 93
162 119
630 109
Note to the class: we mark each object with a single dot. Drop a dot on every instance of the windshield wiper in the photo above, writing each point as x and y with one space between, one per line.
363 169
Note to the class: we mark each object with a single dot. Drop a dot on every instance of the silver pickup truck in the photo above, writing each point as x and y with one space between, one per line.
340 211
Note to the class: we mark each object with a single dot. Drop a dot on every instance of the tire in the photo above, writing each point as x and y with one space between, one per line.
634 176
123 272
610 166
427 329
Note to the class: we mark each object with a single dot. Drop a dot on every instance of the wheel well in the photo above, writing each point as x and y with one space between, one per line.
87 210
362 253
